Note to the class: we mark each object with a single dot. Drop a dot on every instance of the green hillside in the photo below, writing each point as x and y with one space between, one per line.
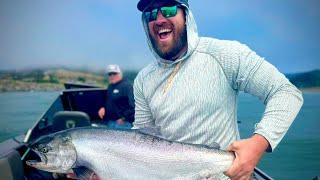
46 80
54 78
305 80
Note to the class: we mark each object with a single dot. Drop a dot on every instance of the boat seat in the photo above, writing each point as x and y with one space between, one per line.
11 166
69 119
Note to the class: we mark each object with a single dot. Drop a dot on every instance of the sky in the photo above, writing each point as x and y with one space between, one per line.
93 33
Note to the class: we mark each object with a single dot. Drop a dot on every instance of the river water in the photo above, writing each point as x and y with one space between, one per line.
296 157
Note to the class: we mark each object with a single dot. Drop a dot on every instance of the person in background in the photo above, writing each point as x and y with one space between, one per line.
190 92
118 111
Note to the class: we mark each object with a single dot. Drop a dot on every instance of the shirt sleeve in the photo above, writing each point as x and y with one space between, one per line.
143 116
252 74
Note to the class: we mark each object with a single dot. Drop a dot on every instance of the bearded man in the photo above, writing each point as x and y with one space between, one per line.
190 91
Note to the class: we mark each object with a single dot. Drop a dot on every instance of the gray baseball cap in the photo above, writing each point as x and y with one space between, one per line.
144 4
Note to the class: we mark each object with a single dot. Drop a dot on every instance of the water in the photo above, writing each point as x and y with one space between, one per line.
296 157
298 154
20 110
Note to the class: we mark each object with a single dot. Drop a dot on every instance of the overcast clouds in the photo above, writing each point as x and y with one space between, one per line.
82 33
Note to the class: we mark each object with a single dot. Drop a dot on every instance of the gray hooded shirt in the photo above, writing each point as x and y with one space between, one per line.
196 102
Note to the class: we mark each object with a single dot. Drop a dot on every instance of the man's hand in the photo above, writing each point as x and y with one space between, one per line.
120 121
102 112
248 153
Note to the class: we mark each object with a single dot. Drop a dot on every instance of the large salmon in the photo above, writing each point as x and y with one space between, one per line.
118 154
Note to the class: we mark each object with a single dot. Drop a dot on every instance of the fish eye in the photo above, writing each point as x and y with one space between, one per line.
41 148
45 150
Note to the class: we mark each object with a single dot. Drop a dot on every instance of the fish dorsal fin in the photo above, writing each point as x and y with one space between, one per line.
152 131
155 131
83 173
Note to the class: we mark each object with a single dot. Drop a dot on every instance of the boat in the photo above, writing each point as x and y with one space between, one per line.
76 106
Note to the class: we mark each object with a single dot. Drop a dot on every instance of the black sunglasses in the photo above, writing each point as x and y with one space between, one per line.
112 74
166 11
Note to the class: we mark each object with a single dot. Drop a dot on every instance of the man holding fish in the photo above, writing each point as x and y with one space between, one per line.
188 96
190 92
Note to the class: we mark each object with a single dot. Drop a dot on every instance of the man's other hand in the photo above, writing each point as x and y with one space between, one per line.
248 153
102 112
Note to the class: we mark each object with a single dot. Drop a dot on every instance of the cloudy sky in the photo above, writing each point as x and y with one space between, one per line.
93 33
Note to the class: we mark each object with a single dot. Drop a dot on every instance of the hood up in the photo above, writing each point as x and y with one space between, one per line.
192 38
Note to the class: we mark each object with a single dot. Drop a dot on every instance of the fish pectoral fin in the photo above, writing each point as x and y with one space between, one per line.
83 173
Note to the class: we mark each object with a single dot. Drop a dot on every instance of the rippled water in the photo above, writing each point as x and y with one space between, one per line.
296 157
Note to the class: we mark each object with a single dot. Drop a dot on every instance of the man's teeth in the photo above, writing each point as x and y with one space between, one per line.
164 31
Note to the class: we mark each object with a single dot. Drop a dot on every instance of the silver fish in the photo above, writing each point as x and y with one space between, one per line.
118 154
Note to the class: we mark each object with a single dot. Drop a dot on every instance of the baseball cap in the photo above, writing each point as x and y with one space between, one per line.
113 68
143 4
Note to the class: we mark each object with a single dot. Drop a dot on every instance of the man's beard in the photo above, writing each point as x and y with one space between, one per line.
179 42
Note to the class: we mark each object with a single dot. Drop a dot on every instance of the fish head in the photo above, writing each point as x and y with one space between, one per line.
57 154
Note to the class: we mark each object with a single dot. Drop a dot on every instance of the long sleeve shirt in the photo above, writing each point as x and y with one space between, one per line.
200 106
194 98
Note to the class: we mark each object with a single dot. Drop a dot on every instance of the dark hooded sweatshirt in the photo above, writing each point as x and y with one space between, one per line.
120 101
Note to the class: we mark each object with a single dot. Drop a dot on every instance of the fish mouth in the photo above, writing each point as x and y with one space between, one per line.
36 164
42 156
40 163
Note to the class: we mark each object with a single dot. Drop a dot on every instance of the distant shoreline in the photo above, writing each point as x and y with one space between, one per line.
60 88
53 79
310 90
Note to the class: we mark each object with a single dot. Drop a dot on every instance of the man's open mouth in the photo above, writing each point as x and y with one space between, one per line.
164 33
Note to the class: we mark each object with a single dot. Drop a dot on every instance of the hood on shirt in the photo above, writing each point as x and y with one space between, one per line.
192 38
